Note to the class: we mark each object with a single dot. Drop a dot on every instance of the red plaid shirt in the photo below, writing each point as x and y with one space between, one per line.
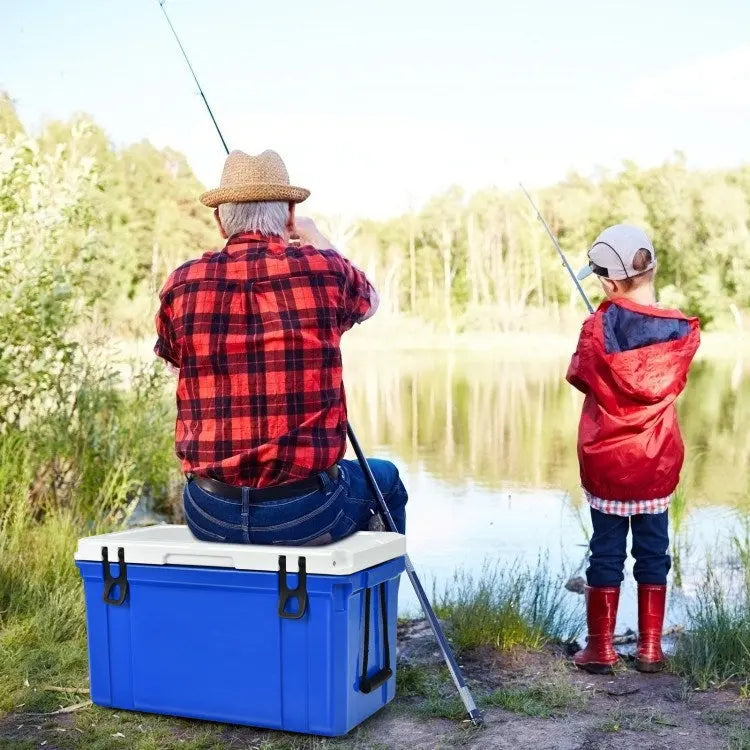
254 331
628 507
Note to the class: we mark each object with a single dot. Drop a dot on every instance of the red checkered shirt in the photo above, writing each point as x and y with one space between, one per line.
255 330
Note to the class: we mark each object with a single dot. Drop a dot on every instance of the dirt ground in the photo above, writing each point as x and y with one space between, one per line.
625 710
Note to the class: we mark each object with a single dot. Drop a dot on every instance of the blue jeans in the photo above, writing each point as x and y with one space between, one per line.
339 508
608 548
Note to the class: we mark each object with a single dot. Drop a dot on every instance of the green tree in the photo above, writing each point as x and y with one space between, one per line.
10 125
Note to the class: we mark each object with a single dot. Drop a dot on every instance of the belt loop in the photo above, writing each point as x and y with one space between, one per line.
246 513
325 480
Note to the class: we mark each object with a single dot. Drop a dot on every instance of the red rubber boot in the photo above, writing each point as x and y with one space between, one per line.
599 656
652 602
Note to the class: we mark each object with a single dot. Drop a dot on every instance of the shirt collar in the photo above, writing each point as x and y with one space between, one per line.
244 241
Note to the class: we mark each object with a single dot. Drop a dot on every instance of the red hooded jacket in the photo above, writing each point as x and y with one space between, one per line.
632 362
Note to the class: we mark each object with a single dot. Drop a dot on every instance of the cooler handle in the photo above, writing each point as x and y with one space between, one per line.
368 684
299 593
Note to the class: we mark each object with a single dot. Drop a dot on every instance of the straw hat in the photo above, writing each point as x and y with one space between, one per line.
254 178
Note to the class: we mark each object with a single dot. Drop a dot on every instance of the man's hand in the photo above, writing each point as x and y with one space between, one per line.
308 233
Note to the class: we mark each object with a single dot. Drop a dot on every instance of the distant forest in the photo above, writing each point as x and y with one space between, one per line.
116 221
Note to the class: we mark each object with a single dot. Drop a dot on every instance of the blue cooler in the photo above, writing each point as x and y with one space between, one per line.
295 638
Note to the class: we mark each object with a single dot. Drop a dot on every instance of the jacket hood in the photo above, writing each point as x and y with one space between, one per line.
647 350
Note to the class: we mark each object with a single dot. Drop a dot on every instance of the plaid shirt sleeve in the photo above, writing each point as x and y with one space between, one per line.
166 345
360 297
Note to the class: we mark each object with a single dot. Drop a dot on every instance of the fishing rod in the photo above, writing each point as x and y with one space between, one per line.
559 250
450 660
195 77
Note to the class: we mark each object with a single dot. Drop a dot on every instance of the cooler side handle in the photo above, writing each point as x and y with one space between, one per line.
368 684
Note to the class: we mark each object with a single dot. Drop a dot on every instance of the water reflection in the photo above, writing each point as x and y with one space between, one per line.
487 450
497 423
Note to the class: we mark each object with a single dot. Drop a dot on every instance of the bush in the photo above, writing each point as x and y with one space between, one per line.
47 244
80 442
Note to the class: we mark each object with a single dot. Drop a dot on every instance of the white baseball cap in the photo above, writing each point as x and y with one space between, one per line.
613 252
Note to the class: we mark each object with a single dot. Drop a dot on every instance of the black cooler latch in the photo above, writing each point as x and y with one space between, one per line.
110 582
299 593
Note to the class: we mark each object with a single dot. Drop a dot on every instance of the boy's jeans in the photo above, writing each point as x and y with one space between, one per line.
338 509
608 548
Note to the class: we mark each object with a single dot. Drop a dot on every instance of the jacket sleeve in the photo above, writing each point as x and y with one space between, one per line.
577 369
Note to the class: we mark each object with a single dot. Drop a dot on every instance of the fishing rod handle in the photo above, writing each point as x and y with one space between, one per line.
385 511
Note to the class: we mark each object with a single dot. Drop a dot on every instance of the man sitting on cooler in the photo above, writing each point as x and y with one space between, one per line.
254 333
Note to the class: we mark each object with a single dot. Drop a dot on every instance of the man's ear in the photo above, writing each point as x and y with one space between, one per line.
290 220
218 224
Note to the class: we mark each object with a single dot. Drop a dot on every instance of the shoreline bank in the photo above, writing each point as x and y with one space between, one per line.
530 698
512 346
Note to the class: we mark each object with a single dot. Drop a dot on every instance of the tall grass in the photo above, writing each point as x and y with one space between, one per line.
42 632
678 511
107 445
515 605
61 479
716 648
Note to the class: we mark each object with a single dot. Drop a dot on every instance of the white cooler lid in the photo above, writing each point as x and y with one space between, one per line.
175 545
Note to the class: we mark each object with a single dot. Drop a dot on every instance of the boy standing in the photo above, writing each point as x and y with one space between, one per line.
631 362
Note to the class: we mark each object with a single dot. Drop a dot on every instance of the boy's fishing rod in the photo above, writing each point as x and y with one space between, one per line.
450 660
559 250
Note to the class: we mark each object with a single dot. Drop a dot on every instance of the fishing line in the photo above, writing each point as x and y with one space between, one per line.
195 77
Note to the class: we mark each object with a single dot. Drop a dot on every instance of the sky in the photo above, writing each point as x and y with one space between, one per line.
377 106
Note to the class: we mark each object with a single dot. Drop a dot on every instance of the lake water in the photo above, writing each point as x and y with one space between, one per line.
487 450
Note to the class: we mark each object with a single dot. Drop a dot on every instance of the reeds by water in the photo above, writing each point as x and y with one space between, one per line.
518 605
716 648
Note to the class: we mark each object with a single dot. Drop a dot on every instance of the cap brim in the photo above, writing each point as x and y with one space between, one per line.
584 273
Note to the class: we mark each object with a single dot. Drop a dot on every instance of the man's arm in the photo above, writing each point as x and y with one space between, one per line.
374 303
361 298
309 234
166 345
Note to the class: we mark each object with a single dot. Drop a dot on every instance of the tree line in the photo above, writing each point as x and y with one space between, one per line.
462 262
484 261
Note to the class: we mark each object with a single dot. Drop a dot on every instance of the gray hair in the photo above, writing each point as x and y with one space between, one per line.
268 218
